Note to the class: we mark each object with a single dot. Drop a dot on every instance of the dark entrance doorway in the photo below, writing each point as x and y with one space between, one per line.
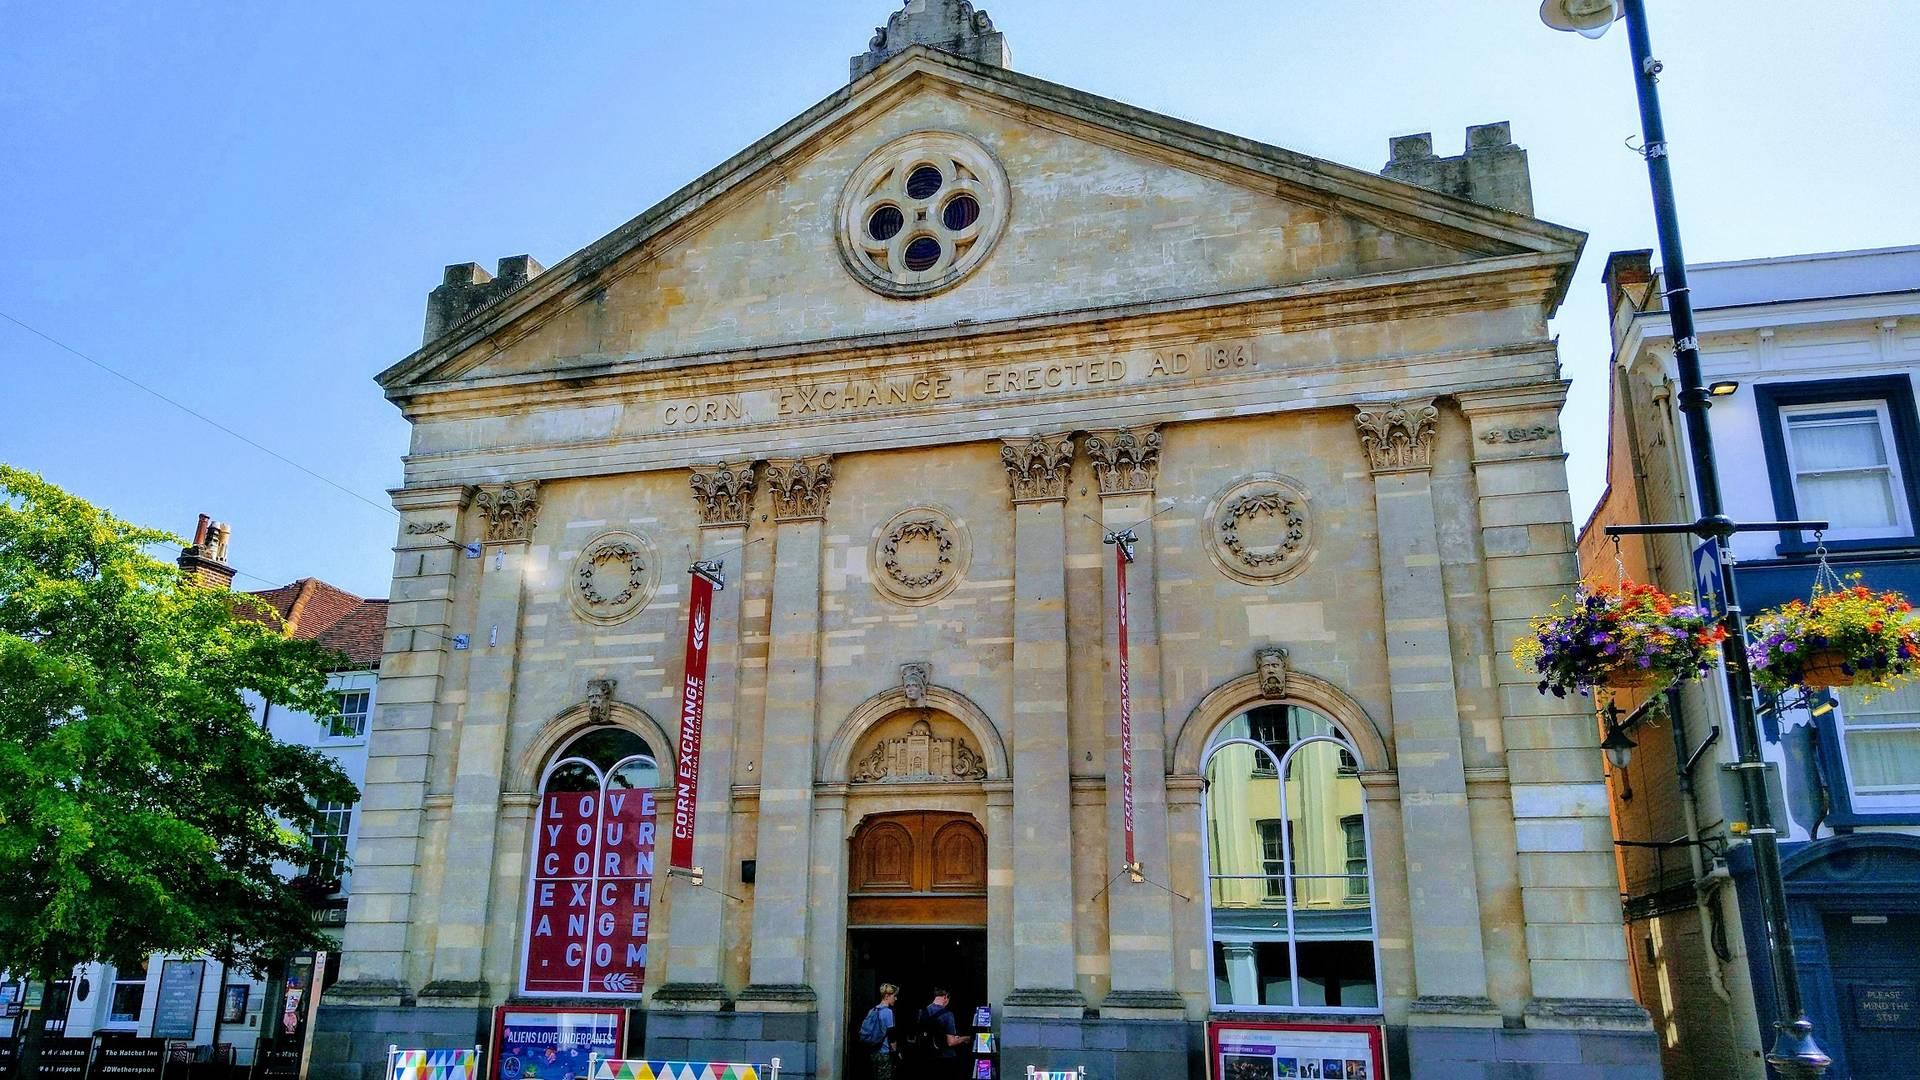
1876 978
915 961
916 917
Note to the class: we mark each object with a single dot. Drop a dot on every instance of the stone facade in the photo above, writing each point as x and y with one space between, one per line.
1278 372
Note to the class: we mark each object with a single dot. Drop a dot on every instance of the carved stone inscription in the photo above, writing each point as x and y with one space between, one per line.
918 389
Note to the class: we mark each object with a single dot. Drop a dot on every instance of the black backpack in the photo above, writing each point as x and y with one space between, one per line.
927 1037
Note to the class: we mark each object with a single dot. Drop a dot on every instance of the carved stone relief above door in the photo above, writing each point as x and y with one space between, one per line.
921 746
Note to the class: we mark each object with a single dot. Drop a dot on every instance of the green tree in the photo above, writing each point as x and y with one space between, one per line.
143 808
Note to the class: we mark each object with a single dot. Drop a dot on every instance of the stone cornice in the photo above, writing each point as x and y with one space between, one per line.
1397 436
800 487
1494 282
1039 467
1126 461
724 492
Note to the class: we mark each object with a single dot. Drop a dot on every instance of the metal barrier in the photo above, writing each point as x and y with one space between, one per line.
461 1064
599 1068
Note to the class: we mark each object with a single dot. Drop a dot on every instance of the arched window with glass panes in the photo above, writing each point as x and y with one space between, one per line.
1290 889
590 882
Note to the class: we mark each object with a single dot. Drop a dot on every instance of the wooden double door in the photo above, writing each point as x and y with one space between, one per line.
917 868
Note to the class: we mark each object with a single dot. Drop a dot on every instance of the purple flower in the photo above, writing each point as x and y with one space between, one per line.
1789 647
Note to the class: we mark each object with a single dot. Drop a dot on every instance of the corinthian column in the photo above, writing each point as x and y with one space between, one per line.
799 488
723 499
1126 464
509 516
1449 964
1038 469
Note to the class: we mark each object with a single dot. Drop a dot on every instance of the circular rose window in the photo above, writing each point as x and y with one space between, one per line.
922 213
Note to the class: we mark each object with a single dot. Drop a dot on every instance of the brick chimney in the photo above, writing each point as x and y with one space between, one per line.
1626 270
1493 171
205 560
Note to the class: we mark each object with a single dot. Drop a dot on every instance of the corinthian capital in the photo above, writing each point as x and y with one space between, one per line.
1398 436
800 486
724 492
1126 461
510 512
1038 466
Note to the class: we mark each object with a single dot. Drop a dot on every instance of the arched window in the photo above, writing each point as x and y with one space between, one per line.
590 888
1290 908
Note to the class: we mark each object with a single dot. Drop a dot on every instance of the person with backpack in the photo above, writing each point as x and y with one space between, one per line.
877 1033
940 1040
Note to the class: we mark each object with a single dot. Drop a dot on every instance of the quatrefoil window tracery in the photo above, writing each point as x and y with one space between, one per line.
921 213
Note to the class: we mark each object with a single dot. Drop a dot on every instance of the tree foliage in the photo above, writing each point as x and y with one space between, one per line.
143 807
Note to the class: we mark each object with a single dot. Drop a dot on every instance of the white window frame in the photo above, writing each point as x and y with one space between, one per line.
343 814
1868 802
329 725
1879 407
1293 962
113 990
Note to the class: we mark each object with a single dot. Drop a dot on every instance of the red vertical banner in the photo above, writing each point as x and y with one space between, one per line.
693 702
1122 556
559 918
622 894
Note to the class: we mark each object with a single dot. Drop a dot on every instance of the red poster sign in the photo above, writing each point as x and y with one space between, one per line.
591 894
1121 557
693 701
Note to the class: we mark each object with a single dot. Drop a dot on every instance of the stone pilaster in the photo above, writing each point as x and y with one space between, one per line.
1126 464
1569 887
723 495
419 635
1449 962
828 941
508 517
1038 470
799 488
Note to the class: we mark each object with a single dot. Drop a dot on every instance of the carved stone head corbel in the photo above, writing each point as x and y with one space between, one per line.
600 700
913 682
1271 662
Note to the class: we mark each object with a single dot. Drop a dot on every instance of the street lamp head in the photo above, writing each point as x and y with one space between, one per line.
1588 18
1618 747
1723 388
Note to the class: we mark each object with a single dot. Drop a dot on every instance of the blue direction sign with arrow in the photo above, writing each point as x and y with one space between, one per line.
1706 577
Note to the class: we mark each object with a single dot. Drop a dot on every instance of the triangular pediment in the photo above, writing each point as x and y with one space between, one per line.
1106 207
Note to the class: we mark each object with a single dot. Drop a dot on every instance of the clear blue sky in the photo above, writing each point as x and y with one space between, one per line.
244 205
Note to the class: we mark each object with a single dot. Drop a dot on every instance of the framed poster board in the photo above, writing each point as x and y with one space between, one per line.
1250 1050
178 1009
532 1042
233 1003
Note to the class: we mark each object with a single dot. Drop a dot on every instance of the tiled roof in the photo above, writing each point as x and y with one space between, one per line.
332 616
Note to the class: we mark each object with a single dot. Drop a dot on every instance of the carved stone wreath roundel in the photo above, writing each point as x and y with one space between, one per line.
1260 530
614 577
919 555
921 213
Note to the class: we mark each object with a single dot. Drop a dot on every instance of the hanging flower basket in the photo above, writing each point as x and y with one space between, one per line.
1624 637
1845 636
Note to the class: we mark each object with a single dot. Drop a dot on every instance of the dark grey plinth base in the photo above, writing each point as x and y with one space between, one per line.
1467 1053
1116 1049
735 1036
350 1041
